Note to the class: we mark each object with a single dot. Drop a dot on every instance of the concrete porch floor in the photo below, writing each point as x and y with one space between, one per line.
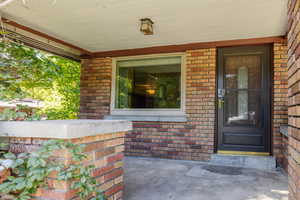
161 179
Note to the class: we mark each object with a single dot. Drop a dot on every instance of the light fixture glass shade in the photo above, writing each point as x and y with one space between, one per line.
147 26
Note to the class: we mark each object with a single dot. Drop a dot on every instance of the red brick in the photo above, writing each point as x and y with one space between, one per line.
115 158
114 190
113 174
55 195
103 170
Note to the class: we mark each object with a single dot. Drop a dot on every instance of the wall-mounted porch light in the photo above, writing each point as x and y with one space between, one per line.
147 26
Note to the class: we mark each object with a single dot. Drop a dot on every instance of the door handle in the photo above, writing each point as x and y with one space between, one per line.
221 94
220 103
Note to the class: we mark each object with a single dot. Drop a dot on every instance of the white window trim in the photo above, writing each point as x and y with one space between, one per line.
149 112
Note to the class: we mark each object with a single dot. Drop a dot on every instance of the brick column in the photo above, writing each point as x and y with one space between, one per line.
280 102
294 98
95 88
200 96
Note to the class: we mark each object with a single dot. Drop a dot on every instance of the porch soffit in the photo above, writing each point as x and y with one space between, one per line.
106 25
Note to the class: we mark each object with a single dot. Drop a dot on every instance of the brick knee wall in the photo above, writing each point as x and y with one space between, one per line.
294 98
104 151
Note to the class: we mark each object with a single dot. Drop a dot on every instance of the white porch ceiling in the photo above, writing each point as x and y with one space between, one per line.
103 25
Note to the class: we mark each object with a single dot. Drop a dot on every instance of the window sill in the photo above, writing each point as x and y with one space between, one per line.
150 118
284 130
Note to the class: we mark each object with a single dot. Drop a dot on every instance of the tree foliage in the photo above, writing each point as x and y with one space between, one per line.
27 72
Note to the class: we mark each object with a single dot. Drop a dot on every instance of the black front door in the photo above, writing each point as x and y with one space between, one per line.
244 99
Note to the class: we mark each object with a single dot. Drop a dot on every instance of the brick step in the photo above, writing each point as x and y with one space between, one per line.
256 162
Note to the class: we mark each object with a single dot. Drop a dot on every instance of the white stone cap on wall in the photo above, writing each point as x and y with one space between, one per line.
62 129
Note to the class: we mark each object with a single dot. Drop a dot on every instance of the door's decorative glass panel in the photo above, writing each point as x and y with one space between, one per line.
233 101
243 94
149 83
253 65
243 90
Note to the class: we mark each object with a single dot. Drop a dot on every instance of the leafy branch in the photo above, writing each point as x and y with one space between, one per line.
31 170
19 113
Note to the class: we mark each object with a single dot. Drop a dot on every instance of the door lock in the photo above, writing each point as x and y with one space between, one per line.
221 93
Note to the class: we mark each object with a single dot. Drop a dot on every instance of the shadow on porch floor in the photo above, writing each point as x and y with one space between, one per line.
160 179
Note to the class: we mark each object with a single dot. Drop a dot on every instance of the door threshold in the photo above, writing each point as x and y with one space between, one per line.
259 160
245 153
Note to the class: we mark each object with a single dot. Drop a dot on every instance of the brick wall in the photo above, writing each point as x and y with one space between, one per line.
194 139
191 140
294 98
103 151
280 102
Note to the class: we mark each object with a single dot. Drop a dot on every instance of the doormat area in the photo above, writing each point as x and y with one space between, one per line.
223 170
